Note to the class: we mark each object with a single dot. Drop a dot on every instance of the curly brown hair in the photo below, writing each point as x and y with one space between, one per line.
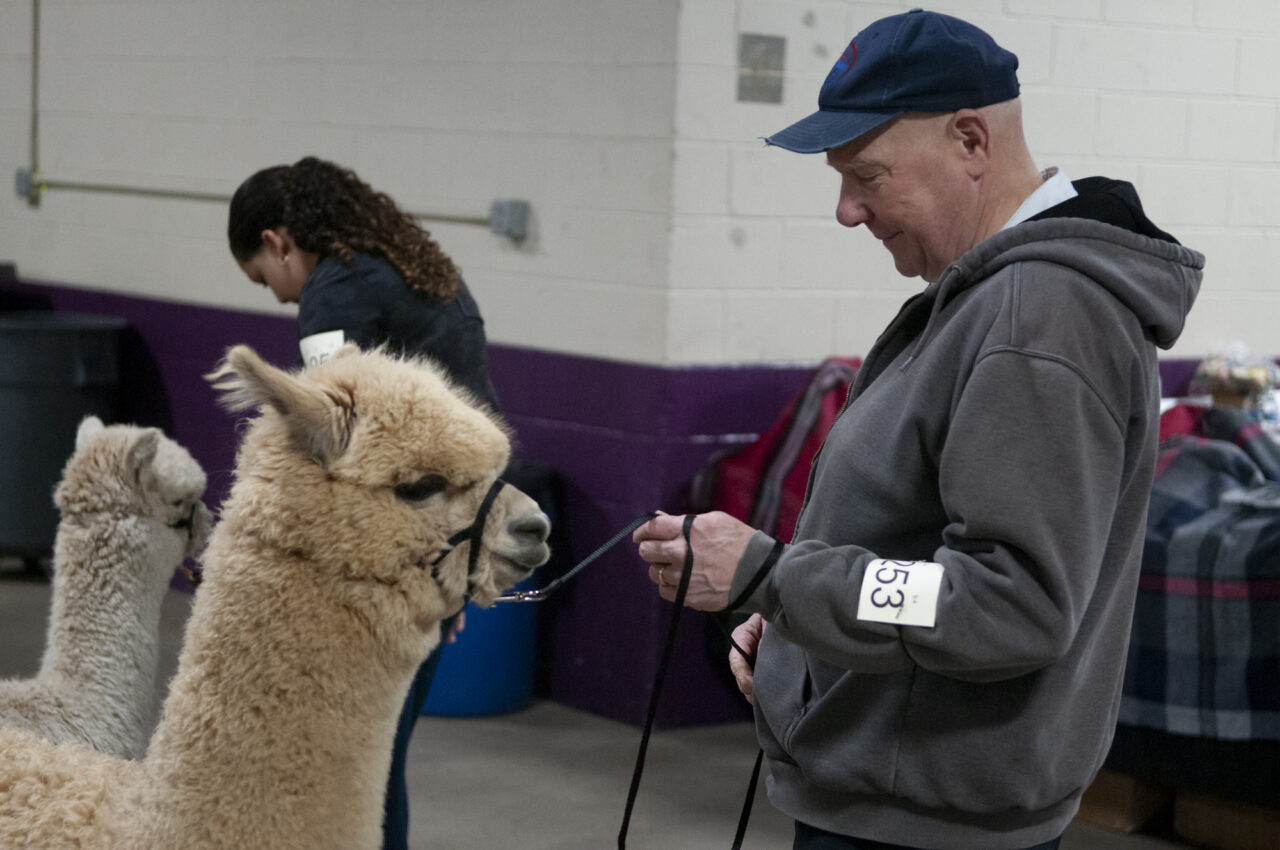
331 212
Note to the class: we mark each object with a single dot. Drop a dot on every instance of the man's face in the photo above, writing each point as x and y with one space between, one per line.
905 182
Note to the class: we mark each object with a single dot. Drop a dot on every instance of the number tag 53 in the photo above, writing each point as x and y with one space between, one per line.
904 593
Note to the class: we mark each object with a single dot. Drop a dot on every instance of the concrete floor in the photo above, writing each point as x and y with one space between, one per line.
546 778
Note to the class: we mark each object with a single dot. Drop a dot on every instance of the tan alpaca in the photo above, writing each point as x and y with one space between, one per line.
130 513
326 580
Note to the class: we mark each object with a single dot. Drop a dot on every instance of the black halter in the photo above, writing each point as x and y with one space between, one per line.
474 532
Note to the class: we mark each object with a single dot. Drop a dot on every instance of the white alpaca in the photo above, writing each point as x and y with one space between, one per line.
131 512
325 582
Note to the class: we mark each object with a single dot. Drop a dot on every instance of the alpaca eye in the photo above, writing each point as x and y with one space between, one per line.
422 489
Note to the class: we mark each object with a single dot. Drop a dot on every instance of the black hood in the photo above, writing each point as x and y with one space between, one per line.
1113 202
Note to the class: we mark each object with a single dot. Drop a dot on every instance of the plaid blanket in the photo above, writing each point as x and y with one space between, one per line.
1204 653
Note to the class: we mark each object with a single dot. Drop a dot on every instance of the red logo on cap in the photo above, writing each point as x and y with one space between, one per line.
845 63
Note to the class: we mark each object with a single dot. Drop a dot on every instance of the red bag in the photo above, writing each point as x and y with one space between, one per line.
763 483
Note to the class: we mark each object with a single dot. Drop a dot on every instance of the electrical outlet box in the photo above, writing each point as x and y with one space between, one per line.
509 218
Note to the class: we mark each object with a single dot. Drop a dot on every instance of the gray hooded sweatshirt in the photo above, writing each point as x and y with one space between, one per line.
1004 428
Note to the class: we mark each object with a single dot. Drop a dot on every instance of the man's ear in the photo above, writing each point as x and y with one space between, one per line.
969 129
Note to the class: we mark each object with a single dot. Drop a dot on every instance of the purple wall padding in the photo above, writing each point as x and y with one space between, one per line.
625 440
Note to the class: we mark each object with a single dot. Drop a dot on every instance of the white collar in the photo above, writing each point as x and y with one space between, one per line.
1054 189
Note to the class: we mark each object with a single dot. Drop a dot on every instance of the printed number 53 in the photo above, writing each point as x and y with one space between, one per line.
897 597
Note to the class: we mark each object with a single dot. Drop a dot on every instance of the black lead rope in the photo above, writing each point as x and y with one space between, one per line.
543 593
681 589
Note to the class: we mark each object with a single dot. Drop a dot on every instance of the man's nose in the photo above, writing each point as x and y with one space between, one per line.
850 211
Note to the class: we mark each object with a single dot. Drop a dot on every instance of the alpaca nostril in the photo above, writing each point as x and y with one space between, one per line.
536 526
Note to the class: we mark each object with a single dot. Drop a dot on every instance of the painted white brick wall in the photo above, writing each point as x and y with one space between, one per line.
663 230
1180 97
445 104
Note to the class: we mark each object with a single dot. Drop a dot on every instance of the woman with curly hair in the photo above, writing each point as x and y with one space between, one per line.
361 270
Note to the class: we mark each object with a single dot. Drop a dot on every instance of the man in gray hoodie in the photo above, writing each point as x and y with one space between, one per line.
939 649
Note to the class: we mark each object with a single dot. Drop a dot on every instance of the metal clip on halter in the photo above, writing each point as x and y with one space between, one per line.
540 595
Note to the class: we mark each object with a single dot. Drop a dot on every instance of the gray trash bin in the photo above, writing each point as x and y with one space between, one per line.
55 368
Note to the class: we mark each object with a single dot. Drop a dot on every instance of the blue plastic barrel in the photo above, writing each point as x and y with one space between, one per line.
489 670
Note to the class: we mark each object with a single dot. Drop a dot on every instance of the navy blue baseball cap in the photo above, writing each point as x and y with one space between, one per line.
914 62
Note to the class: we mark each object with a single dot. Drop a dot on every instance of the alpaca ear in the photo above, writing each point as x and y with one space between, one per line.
142 450
320 421
89 426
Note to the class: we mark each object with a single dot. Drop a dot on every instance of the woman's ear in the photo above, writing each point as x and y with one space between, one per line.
277 242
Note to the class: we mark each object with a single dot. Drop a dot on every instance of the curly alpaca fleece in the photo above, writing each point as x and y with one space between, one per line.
325 582
131 512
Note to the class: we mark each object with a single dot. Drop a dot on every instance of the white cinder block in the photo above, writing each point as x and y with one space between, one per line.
1059 122
1244 16
1161 13
633 173
15 35
1253 198
183 88
973 11
1260 67
778 326
256 30
1181 194
190 29
320 29
707 108
700 179
15 87
392 161
727 253
589 100
466 170
1190 62
828 256
773 181
359 94
249 146
1083 9
1221 131
1146 126
1219 318
1031 39
695 325
79 30
1108 58
15 130
1236 260
553 32
579 317
706 33
1092 166
84 86
398 31
626 249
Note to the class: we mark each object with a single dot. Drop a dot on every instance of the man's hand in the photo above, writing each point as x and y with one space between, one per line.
748 637
718 543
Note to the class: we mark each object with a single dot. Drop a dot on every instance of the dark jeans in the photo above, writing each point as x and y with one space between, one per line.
395 812
812 838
